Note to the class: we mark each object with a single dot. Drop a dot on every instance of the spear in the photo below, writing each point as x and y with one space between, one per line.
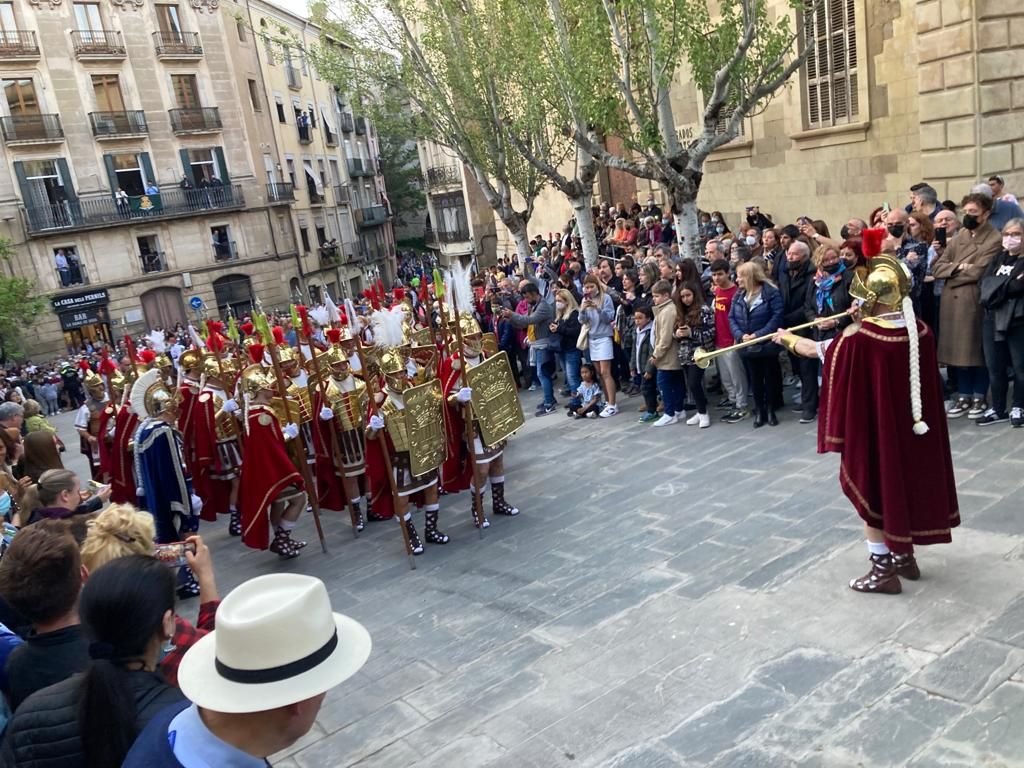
307 332
282 392
215 343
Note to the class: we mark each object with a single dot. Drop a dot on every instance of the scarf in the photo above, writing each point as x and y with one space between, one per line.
824 282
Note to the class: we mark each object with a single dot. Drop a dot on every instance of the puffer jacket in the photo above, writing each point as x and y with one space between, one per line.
44 731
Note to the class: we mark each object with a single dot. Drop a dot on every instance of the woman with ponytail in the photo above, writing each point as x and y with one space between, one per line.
91 720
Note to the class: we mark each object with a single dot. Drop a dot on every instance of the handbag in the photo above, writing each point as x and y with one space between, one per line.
583 342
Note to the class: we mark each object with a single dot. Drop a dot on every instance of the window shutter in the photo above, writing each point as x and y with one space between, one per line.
108 163
26 191
186 166
222 166
830 72
66 179
147 168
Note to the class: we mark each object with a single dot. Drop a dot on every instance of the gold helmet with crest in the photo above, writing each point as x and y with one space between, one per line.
887 284
151 396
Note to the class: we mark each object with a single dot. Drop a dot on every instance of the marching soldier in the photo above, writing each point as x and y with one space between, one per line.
215 432
87 421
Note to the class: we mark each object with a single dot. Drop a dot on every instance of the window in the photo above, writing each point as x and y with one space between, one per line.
452 212
289 163
304 235
107 90
254 96
129 174
311 111
830 72
149 254
44 182
186 91
205 166
169 21
8 24
322 168
87 17
223 247
21 97
335 171
240 26
302 63
321 234
281 117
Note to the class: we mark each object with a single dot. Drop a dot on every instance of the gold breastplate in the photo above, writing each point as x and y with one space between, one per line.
222 421
300 395
349 407
394 421
291 413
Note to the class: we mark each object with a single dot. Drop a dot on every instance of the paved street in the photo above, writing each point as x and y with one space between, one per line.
688 608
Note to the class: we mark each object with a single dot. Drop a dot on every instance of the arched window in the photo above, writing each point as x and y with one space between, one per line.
234 291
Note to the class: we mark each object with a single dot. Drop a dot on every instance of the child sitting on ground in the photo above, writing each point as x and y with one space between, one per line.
587 399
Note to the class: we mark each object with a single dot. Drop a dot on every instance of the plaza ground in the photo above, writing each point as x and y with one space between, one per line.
687 608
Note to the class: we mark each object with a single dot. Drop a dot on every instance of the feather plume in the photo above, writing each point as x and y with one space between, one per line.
147 356
333 335
351 318
214 326
84 365
399 294
461 292
307 327
278 333
438 284
294 317
333 315
372 297
387 327
256 352
322 316
215 342
247 328
194 335
156 342
872 242
107 366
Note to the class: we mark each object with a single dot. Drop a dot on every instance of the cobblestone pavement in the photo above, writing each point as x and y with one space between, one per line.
689 609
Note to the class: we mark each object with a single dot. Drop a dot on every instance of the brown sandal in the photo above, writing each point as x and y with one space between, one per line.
906 566
881 579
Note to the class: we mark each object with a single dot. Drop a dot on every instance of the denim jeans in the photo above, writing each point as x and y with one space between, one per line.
571 361
544 361
673 389
972 381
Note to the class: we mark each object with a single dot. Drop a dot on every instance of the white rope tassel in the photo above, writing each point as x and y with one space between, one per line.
920 427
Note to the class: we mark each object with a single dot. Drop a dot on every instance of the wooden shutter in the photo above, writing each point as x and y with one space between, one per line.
186 166
222 167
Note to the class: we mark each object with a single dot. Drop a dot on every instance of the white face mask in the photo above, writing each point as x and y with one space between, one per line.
751 240
559 305
1012 242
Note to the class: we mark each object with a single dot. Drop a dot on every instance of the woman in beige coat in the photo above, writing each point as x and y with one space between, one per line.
962 266
665 354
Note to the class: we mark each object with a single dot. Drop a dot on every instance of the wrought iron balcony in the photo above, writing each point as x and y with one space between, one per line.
330 137
305 134
347 124
443 176
225 251
177 45
196 120
32 129
373 216
280 192
94 211
117 124
342 194
460 235
98 44
430 237
360 125
153 261
18 46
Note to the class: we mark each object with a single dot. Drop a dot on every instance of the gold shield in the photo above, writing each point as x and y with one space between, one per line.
495 403
489 344
424 418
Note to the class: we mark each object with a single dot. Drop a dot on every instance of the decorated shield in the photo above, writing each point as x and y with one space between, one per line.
424 418
489 344
495 403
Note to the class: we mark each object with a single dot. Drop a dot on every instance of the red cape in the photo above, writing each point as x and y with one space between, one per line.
122 470
456 473
266 472
203 430
899 482
329 490
106 446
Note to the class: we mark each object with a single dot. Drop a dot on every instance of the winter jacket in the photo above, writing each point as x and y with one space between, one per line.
1002 293
568 331
702 336
793 287
640 361
665 346
761 319
539 316
600 320
44 731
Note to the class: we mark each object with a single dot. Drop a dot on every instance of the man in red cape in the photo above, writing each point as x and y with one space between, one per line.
896 467
271 491
217 452
122 476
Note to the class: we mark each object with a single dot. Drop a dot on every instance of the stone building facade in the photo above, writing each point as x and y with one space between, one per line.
133 184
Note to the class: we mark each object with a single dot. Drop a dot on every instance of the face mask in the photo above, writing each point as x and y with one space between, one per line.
833 268
664 222
719 229
559 305
751 241
1012 242
971 221
714 218
896 230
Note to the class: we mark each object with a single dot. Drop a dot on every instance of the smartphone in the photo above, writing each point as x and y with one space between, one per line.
940 236
173 555
885 207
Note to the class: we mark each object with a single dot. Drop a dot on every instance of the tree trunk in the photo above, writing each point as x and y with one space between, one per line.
585 224
517 228
687 233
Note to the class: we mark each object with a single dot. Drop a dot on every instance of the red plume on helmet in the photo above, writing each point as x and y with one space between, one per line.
372 297
247 328
871 242
215 342
84 365
342 318
256 353
278 333
307 327
214 326
147 356
107 366
333 335
399 294
381 293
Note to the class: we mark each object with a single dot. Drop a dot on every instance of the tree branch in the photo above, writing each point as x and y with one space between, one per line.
643 171
625 80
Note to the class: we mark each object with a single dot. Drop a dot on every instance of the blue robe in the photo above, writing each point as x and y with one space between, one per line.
163 486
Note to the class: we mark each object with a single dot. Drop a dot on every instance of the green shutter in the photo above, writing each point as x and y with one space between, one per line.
65 176
147 169
186 166
108 162
26 192
221 165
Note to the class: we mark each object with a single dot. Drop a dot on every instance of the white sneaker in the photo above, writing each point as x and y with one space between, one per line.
705 420
665 420
693 420
609 410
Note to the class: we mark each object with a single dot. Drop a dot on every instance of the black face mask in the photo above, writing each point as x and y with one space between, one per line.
897 230
971 221
833 268
844 232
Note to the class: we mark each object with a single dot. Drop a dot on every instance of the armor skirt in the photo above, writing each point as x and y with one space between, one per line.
353 452
406 483
230 460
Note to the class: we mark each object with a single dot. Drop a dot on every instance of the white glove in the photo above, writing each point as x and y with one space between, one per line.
197 505
376 422
230 406
464 395
326 413
290 431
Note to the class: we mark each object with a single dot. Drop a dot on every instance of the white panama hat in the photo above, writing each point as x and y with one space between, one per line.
277 642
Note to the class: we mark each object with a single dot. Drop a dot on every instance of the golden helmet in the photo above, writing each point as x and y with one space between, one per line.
256 379
94 384
286 354
467 324
162 361
151 396
888 282
333 356
189 359
210 365
117 381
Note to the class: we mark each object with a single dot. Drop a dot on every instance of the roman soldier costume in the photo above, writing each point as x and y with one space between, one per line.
87 421
871 372
215 436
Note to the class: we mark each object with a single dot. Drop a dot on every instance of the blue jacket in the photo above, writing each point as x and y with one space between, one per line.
152 748
764 319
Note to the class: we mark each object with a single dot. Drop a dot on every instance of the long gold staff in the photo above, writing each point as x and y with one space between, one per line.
307 478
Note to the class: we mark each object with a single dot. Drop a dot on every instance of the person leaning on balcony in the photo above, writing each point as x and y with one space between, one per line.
60 261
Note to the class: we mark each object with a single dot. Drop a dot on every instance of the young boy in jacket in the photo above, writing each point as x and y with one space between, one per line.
665 354
641 363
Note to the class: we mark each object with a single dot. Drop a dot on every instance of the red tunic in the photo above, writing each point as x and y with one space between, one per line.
122 475
266 472
106 445
456 474
899 482
206 459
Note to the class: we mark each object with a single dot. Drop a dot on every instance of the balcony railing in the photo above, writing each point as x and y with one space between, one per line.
225 250
360 125
153 261
305 134
18 45
177 45
98 44
373 216
102 210
280 192
32 129
355 166
460 235
443 176
342 194
430 237
196 120
347 124
315 198
329 254
109 124
293 77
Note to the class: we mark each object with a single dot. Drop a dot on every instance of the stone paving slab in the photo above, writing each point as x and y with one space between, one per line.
686 608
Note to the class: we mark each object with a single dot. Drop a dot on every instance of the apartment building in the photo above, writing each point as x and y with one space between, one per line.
326 173
146 169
